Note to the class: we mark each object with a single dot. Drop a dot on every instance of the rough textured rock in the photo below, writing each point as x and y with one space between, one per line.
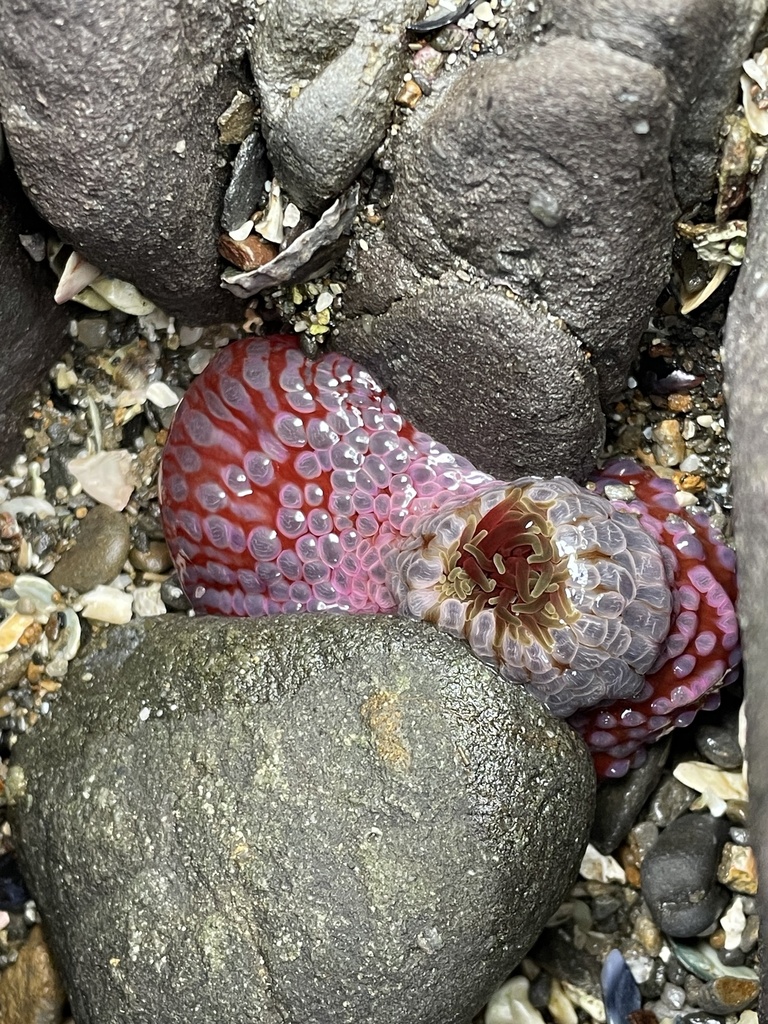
98 554
335 818
110 113
700 49
501 385
33 325
327 76
549 173
746 366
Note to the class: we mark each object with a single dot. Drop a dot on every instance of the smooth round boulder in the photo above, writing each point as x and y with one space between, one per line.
318 819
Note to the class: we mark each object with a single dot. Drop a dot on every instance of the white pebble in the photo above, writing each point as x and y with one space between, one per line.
685 499
291 216
324 300
106 476
11 630
690 463
107 604
161 395
510 1004
189 335
733 923
26 505
240 234
483 11
598 867
560 1006
619 492
198 361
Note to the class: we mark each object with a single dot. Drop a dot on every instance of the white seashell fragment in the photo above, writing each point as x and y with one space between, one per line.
159 394
43 595
510 1004
270 226
692 302
240 234
12 629
26 505
598 867
711 781
291 216
88 297
122 295
106 476
78 273
560 1006
107 604
147 601
733 923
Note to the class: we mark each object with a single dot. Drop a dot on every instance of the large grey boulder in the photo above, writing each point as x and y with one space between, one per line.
699 45
33 326
746 366
327 76
110 113
314 819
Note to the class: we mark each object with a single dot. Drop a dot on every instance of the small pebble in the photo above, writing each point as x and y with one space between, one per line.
668 446
619 803
728 995
670 800
173 596
156 558
106 476
750 934
738 868
733 923
679 875
718 742
711 781
30 989
560 1007
510 1004
107 604
98 554
598 867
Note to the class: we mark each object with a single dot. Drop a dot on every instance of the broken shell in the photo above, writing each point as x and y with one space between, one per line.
270 225
691 302
248 254
78 273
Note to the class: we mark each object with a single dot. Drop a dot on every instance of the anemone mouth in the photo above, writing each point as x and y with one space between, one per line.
506 562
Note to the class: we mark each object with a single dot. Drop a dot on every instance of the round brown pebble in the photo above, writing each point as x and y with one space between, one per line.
156 558
98 554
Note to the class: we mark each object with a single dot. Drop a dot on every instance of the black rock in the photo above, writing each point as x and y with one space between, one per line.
250 171
619 802
718 742
298 818
679 875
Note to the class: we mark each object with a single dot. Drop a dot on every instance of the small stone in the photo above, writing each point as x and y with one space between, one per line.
147 601
619 802
93 332
106 476
12 629
728 995
30 989
718 742
237 120
738 868
249 254
733 923
669 446
598 867
107 604
679 403
510 1004
245 191
559 1005
750 934
173 596
671 799
161 395
409 95
649 935
98 554
156 558
679 875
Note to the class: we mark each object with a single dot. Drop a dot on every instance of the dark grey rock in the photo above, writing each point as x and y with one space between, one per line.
499 384
327 75
619 802
33 326
556 953
746 372
298 818
96 100
98 553
699 47
679 875
250 171
669 801
718 741
549 173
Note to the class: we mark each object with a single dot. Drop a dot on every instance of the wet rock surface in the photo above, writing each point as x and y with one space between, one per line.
33 326
541 174
336 786
699 51
128 171
469 364
746 361
327 75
